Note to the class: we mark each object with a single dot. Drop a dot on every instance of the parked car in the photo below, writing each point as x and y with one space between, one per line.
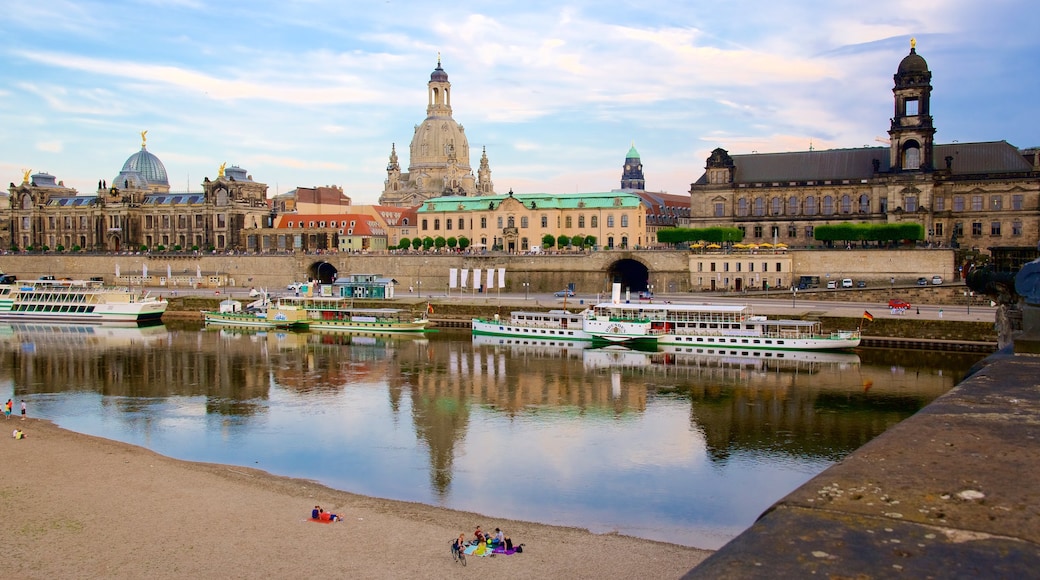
936 280
645 295
846 283
832 284
861 284
897 304
922 281
565 292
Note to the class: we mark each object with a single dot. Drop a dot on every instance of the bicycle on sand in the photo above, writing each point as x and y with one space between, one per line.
458 554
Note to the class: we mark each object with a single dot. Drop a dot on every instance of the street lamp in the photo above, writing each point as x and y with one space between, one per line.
794 295
527 285
969 294
419 284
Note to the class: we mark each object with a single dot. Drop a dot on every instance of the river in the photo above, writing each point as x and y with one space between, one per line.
683 447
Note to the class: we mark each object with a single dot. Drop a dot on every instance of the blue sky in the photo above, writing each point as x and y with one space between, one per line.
314 92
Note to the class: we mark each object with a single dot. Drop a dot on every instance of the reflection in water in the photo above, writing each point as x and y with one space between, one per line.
680 445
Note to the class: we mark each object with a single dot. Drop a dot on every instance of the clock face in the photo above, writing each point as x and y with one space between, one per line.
628 167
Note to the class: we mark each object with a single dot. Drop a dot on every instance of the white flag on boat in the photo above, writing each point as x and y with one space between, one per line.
501 277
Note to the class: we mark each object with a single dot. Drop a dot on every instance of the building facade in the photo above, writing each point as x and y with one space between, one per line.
976 195
519 222
135 212
663 210
438 156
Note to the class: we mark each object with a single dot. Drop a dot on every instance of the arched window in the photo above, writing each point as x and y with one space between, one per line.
759 207
864 203
792 206
912 156
846 204
828 205
512 221
774 206
810 205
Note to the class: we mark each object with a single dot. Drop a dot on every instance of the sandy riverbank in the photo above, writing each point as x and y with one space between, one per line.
76 506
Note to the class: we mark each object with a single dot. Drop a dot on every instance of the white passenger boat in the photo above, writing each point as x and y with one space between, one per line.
554 324
713 325
76 301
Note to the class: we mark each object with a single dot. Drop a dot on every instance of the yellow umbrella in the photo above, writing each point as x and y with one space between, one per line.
781 245
697 245
713 246
740 246
766 245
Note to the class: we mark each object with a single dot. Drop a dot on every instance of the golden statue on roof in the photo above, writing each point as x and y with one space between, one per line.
143 138
220 172
913 42
25 175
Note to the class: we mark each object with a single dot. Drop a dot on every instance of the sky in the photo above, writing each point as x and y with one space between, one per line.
314 92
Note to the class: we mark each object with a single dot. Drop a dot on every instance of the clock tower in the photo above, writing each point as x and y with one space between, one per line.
632 175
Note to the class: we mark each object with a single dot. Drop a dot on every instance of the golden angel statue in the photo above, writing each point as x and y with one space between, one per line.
25 175
143 138
222 166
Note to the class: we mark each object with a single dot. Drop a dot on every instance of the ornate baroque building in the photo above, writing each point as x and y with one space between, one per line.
136 210
978 195
439 156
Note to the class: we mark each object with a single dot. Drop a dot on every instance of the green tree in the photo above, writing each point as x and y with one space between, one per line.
440 242
463 242
578 241
77 248
60 248
404 244
160 248
548 241
427 243
416 243
590 241
563 241
453 242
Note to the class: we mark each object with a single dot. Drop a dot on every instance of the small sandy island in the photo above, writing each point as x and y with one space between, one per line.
76 506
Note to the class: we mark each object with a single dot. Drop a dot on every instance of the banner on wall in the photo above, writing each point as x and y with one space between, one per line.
453 278
501 277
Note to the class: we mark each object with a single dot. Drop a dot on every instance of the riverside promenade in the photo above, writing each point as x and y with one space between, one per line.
952 492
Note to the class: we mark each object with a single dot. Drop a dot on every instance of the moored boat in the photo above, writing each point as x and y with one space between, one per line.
709 325
260 314
76 301
554 324
323 313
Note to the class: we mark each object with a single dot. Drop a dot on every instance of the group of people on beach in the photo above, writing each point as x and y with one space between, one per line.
319 514
498 540
9 408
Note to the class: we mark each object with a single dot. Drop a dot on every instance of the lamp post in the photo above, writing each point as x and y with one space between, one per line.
968 295
527 286
419 284
794 295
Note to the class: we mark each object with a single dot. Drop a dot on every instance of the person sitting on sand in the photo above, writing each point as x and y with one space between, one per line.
499 539
479 536
18 434
328 516
459 544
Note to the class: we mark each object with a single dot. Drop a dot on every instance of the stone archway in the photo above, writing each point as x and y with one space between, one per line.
323 272
633 275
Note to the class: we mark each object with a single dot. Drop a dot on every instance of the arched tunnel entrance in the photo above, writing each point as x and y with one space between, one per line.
632 275
323 272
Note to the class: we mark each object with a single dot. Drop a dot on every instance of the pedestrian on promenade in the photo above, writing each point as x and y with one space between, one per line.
940 314
23 409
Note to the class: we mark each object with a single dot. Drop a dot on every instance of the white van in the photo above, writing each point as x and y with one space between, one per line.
846 283
832 284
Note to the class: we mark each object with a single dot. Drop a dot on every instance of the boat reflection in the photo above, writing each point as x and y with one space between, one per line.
31 335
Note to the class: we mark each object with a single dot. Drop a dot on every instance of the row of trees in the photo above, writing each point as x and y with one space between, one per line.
575 241
439 242
909 231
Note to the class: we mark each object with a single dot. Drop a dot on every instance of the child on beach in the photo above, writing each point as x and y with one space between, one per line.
18 434
7 409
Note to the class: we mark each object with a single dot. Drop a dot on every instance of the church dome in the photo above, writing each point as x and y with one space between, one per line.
434 140
913 62
129 179
147 166
438 74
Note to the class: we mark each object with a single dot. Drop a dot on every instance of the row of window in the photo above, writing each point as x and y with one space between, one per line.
510 222
331 224
52 308
845 205
938 230
739 267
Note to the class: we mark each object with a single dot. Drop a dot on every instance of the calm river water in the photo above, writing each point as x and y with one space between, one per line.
683 447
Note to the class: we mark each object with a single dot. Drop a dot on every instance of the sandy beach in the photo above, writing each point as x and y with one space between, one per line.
76 506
